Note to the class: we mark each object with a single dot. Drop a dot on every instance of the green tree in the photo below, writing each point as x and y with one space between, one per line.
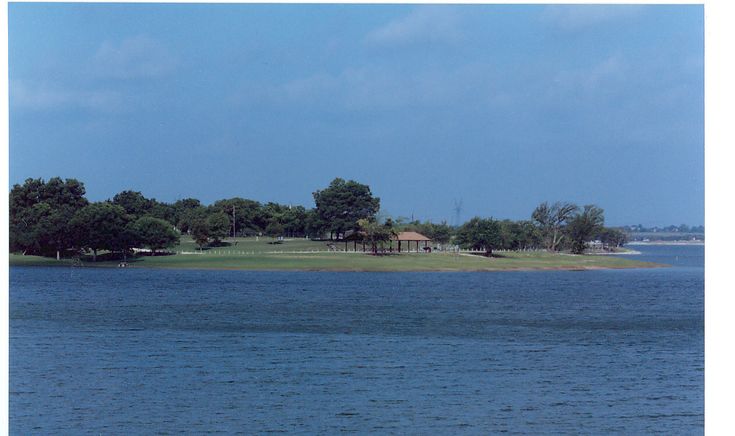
40 213
219 226
613 237
375 234
551 221
200 232
480 234
584 226
274 229
155 233
248 214
314 226
343 203
294 221
528 235
184 213
134 203
99 226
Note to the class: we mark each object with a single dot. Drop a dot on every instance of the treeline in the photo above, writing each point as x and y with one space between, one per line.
54 218
681 228
560 226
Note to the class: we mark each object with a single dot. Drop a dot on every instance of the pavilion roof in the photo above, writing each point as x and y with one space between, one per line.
411 236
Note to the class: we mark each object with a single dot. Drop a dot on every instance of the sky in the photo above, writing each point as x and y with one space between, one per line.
499 107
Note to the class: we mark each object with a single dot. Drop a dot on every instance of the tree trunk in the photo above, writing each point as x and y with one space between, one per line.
58 255
94 255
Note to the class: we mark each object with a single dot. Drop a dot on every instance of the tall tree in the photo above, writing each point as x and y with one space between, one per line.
480 234
219 226
134 203
246 216
155 233
551 221
200 232
343 203
100 226
584 226
47 225
183 213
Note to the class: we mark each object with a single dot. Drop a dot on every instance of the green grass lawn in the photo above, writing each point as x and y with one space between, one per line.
300 254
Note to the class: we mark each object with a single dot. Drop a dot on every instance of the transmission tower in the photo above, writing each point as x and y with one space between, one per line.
457 212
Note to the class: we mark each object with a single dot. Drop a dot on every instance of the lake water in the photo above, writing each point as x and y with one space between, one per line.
127 351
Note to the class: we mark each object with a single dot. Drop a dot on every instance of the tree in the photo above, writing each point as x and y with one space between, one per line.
480 234
274 229
219 226
584 226
99 226
314 226
343 203
200 232
133 202
551 221
183 213
528 235
376 234
248 214
155 233
40 213
440 233
612 237
185 218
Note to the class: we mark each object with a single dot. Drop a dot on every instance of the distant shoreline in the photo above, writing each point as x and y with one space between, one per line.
665 243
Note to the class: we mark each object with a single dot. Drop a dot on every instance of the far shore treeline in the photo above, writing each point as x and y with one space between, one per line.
53 218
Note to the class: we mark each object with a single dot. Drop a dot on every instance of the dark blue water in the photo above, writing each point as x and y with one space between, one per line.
125 351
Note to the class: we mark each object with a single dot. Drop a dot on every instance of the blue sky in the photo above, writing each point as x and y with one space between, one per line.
500 106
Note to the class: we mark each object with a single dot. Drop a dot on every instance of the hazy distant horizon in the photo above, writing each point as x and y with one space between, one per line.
501 106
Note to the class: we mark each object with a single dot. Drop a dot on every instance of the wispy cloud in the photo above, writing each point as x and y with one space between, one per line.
604 74
423 24
134 57
581 17
44 96
378 88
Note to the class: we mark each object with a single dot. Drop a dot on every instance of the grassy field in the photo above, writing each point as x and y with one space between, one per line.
305 255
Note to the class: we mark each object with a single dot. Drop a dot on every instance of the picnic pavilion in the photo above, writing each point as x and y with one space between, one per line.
405 241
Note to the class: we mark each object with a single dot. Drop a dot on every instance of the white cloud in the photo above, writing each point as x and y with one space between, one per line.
580 17
608 72
423 24
135 57
379 88
43 96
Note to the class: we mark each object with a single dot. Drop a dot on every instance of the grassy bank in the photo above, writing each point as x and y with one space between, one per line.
304 255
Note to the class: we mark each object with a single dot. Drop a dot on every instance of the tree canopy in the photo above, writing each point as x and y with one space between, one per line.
584 226
480 234
551 221
100 226
155 233
343 203
40 213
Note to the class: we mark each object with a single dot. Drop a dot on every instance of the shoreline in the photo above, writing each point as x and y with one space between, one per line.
332 263
692 243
